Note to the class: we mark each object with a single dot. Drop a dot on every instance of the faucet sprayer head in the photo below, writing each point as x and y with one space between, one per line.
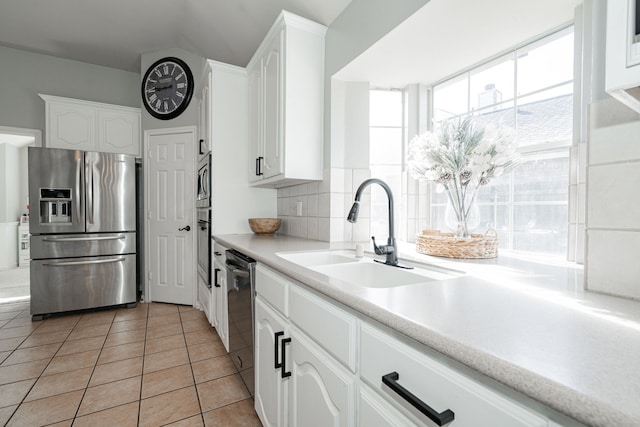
353 213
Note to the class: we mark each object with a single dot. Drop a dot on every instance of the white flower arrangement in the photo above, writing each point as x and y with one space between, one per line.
461 156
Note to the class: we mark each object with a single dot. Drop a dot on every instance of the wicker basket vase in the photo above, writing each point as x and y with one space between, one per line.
478 246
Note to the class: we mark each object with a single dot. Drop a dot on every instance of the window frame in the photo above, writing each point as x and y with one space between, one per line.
560 146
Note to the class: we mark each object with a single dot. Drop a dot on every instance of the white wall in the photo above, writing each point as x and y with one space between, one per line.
9 183
358 27
25 74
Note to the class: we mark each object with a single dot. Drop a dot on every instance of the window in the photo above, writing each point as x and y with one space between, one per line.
531 91
386 155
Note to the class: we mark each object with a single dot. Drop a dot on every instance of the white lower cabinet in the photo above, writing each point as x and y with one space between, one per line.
220 300
270 388
297 382
376 411
204 298
322 392
318 364
442 393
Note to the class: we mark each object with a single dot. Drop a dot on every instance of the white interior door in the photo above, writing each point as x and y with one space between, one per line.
170 215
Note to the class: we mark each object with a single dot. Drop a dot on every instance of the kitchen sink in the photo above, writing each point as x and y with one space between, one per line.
311 258
365 272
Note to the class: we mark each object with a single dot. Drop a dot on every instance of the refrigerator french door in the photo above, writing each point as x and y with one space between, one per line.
83 226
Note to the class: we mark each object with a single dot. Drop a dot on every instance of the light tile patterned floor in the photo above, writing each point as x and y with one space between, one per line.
153 365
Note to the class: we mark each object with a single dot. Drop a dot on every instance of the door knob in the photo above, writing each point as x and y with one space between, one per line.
185 228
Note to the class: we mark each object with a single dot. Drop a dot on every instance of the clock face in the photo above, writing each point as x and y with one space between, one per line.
167 87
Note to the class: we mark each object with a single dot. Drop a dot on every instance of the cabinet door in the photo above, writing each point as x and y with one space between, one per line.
272 164
119 131
322 392
221 304
271 388
204 121
255 122
71 126
204 298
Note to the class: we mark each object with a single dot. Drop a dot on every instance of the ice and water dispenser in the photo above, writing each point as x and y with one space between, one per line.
55 205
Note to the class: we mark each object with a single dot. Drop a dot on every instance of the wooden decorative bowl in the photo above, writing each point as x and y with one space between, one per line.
264 225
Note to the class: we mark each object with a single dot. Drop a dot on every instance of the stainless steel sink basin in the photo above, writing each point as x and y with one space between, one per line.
365 272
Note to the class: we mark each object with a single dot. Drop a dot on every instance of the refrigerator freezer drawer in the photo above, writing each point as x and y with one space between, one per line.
78 283
78 245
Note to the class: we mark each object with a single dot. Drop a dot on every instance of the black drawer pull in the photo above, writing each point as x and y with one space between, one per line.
441 418
283 372
276 337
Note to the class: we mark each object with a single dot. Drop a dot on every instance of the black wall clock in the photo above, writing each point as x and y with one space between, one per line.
167 87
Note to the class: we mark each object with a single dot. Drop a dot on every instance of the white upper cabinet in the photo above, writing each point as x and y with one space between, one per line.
286 98
623 52
92 126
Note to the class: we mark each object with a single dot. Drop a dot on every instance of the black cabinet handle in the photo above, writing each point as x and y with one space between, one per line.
440 419
215 277
259 165
200 150
216 253
283 372
276 336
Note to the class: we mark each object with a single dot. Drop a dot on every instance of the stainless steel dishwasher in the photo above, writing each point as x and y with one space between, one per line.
241 291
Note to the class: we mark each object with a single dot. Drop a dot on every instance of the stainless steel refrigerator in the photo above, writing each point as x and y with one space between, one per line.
83 230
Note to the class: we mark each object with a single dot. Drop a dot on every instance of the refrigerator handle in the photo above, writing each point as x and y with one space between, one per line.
90 192
97 261
82 239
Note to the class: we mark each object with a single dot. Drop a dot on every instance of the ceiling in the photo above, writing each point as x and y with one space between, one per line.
441 38
114 33
447 36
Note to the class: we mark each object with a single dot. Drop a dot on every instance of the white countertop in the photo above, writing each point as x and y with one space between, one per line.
526 324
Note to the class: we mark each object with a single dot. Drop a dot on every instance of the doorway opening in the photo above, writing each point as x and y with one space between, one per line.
14 205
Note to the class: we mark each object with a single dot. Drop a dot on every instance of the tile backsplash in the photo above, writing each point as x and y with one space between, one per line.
318 210
613 200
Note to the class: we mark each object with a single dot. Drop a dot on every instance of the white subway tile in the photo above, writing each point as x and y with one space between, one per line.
324 205
313 231
613 196
612 265
337 205
324 229
337 180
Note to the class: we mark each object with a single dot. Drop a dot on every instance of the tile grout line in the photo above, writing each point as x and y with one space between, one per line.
39 375
84 392
144 353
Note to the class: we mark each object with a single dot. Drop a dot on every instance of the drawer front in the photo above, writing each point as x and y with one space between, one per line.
332 328
79 245
274 288
79 283
204 297
436 385
375 411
